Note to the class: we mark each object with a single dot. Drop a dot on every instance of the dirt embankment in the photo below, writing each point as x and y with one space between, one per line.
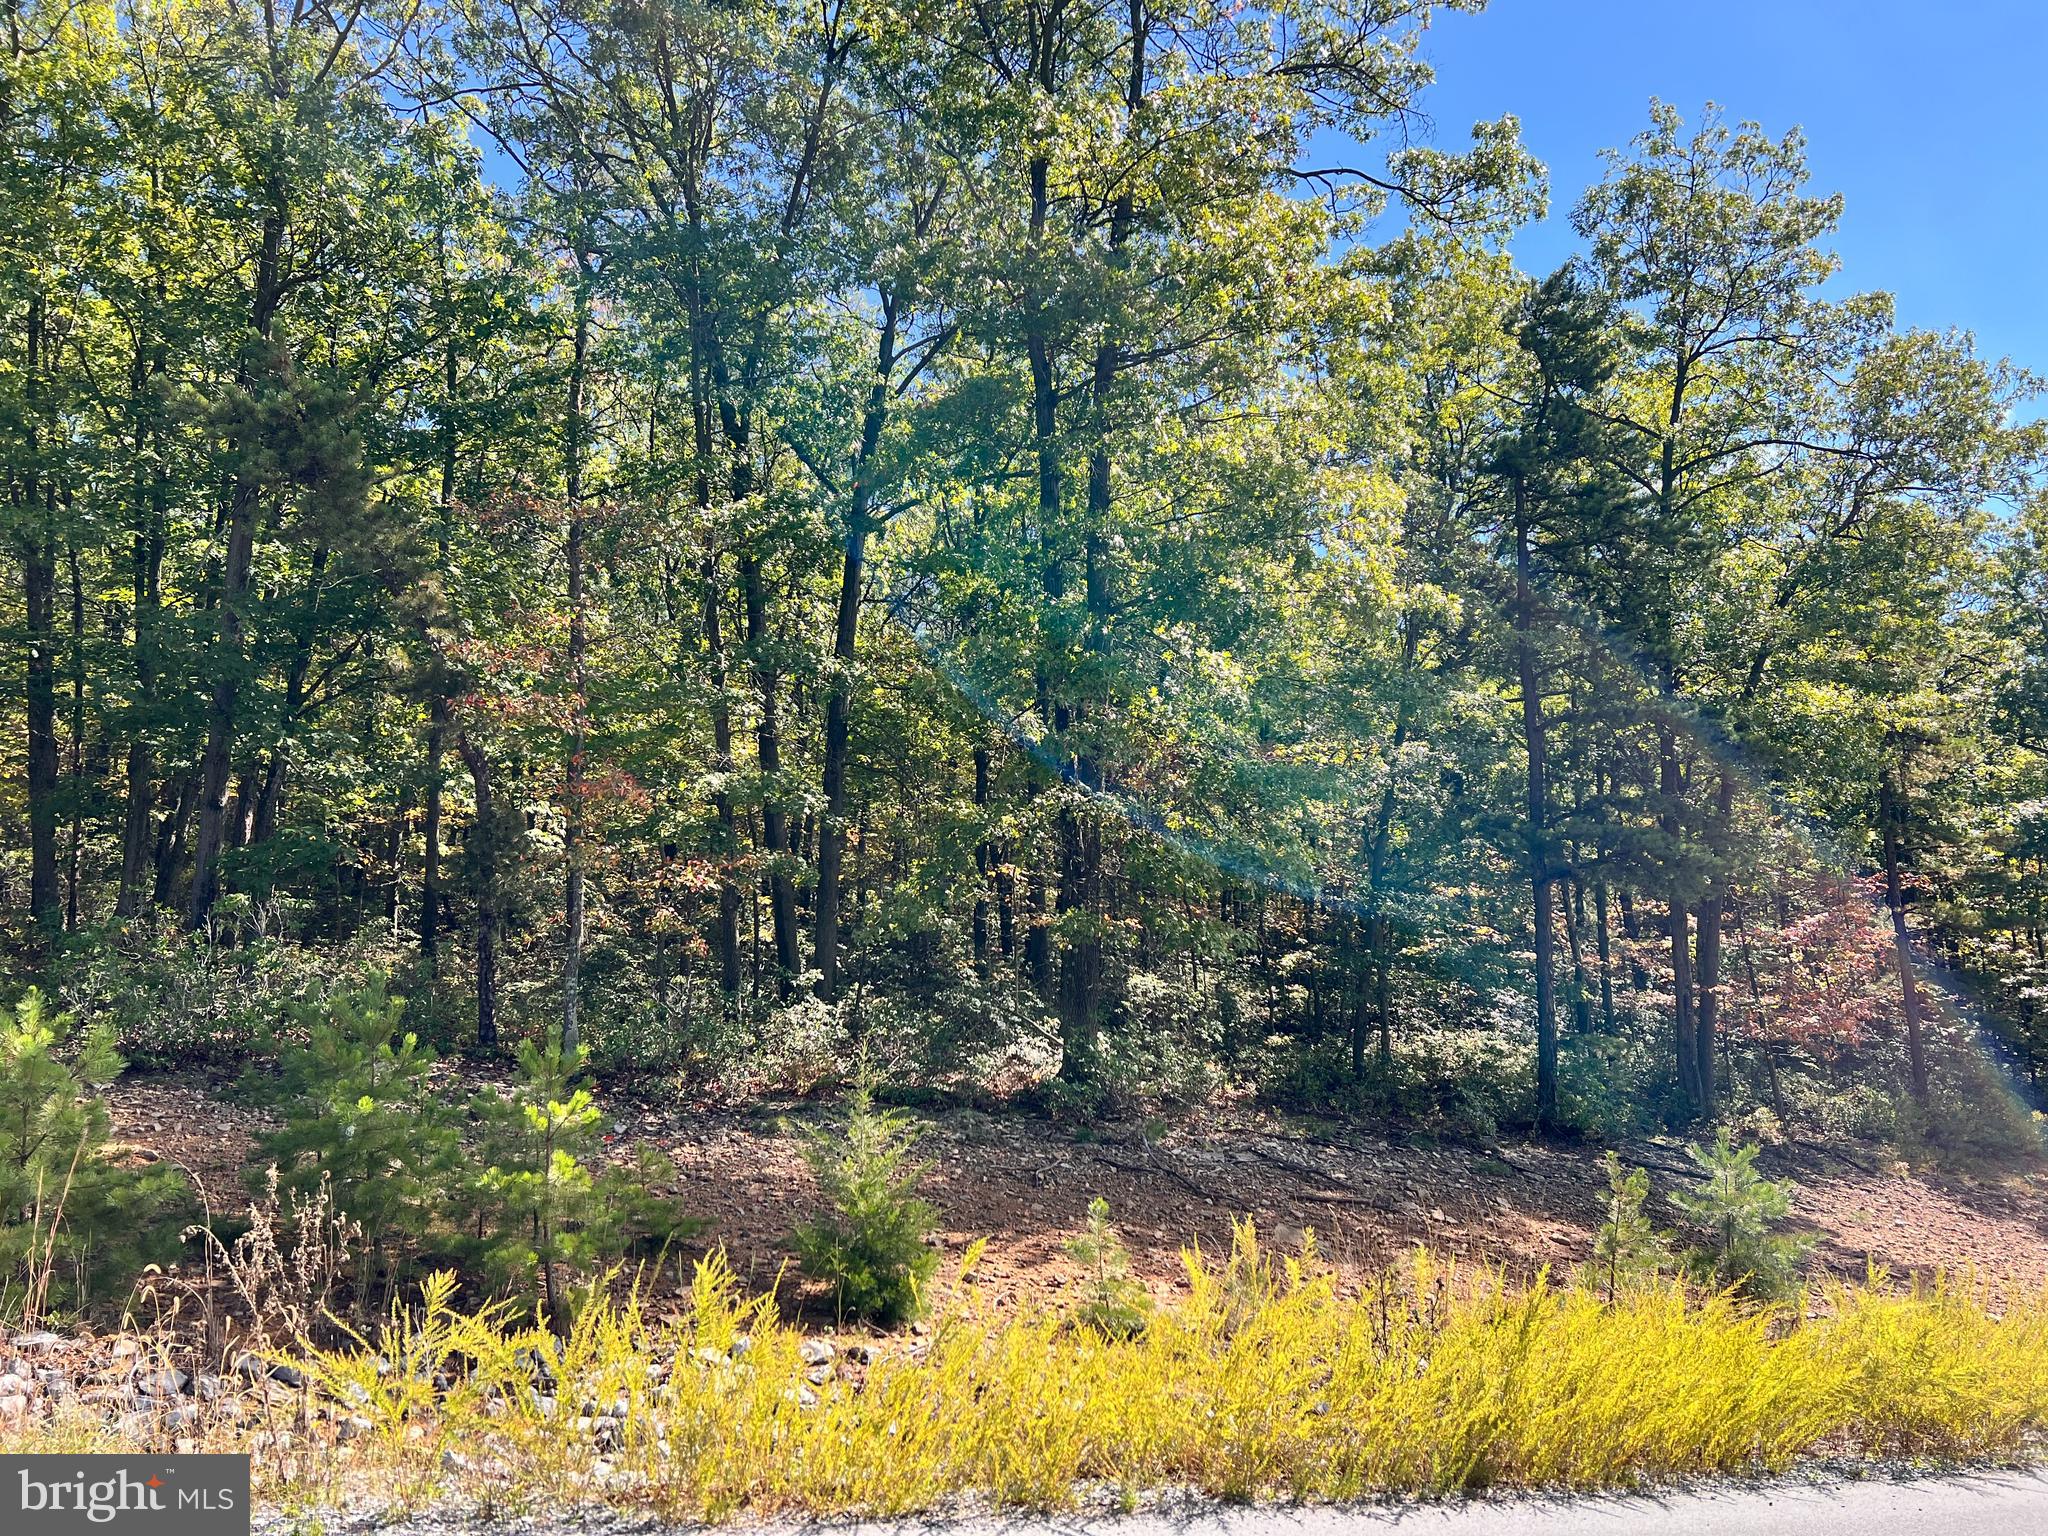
1024 1184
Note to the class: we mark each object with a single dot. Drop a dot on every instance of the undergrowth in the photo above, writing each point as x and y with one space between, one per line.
1262 1380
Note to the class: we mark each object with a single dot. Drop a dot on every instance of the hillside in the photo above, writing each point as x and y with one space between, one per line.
1024 1183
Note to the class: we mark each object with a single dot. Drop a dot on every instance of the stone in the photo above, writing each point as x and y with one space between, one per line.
818 1375
13 1408
256 1368
167 1383
11 1385
815 1352
40 1340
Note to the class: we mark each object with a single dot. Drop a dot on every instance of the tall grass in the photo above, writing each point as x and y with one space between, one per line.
1262 1381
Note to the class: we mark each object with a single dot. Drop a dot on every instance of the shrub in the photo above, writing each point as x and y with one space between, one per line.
360 1114
1463 1083
1627 1250
1112 1302
541 1206
1971 1120
74 1220
1734 1206
180 1001
1608 1085
872 1246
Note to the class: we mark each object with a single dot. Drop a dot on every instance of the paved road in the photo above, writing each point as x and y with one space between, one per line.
1972 1504
1984 1504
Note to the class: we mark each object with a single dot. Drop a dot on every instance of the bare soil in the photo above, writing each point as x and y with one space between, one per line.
1024 1183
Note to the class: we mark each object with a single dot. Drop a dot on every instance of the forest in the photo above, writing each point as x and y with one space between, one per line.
1050 547
616 616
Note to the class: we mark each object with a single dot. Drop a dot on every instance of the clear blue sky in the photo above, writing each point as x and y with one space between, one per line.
1930 118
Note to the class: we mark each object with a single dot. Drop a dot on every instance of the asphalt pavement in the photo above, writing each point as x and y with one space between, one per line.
1988 1503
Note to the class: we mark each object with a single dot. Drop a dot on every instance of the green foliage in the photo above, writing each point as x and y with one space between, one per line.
870 1245
543 1208
361 1113
1971 1120
1461 1083
1734 1206
1112 1300
1199 743
209 1001
76 1222
1611 1086
1627 1249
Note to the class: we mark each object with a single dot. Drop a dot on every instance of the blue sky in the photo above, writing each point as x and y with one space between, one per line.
1927 117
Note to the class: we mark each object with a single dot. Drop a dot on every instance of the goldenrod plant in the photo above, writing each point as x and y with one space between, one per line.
1259 1380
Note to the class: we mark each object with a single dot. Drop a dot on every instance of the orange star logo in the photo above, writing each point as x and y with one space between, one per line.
155 1481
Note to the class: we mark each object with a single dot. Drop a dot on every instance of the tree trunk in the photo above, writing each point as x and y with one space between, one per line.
39 592
39 571
1891 811
1542 883
579 701
269 801
217 764
76 771
768 748
147 586
845 637
1574 926
984 859
728 822
1677 925
483 860
1605 942
170 839
430 832
1707 947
